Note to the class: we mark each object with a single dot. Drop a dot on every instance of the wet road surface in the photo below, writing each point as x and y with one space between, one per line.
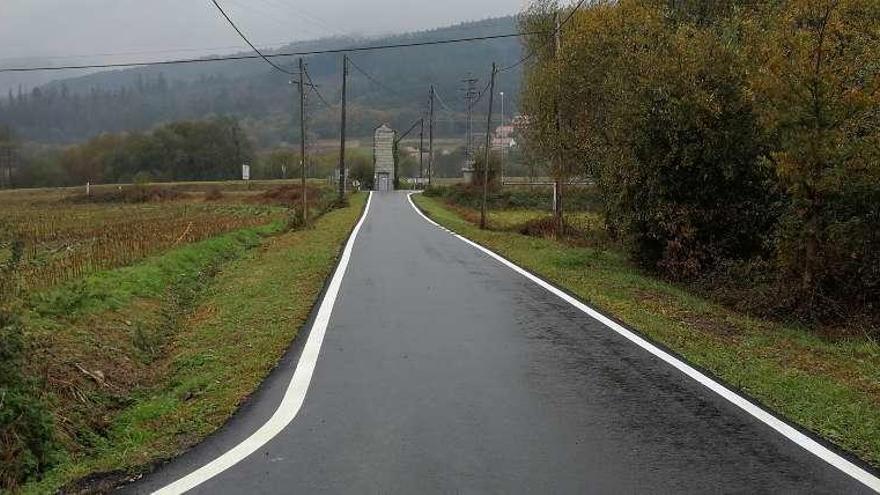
443 371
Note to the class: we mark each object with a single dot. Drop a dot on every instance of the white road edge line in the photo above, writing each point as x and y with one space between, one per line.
296 390
777 424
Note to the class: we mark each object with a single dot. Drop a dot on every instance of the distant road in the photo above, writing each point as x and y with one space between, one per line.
444 371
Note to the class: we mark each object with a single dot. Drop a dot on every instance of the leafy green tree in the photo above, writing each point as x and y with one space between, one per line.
190 150
545 100
360 164
656 111
818 92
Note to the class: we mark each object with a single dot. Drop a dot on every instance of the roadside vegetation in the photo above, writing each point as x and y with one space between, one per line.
733 144
827 383
114 317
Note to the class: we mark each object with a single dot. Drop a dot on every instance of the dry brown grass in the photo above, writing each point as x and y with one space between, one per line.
66 236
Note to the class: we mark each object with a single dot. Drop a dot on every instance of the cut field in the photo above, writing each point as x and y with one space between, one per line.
64 235
111 308
174 364
828 386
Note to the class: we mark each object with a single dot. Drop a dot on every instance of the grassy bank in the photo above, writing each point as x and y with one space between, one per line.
160 354
831 387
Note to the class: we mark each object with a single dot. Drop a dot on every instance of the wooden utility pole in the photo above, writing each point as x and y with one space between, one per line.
488 148
421 148
396 149
342 139
431 138
302 137
559 172
395 153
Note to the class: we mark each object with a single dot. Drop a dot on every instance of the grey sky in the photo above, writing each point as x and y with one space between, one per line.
155 29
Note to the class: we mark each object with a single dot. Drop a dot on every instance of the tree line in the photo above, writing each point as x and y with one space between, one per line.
738 139
212 149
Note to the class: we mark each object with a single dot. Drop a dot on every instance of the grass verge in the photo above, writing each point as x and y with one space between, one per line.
829 387
220 340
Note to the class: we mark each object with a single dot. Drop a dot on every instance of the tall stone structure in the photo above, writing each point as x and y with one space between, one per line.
383 158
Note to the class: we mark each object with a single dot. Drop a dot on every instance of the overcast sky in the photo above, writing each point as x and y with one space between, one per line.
99 30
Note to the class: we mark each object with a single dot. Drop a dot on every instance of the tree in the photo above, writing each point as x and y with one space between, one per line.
9 150
545 100
494 168
818 90
188 150
361 168
279 164
656 111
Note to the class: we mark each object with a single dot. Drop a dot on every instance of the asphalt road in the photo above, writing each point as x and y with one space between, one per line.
443 371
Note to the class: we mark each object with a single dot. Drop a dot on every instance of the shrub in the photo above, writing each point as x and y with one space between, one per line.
493 172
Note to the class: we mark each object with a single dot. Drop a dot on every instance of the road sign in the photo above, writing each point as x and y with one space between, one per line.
245 172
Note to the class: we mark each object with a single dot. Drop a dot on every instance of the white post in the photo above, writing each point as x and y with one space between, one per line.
88 188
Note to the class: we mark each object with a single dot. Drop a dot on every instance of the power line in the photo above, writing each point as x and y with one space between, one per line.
246 40
122 65
142 52
553 34
442 102
308 16
372 79
315 89
479 96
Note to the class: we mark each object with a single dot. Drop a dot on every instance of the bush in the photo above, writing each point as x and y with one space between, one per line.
846 273
725 137
577 198
131 195
493 172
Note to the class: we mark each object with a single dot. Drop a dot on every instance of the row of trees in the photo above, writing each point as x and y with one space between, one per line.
265 106
190 150
723 132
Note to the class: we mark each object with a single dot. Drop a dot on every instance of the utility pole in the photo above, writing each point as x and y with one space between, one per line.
396 148
342 139
302 137
395 153
431 138
421 148
488 148
560 174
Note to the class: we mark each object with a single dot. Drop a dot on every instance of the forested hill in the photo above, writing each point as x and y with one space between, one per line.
138 99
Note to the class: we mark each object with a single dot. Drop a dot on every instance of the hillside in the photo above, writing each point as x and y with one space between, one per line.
74 109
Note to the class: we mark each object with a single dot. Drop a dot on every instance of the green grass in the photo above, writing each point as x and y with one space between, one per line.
112 289
831 387
225 341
